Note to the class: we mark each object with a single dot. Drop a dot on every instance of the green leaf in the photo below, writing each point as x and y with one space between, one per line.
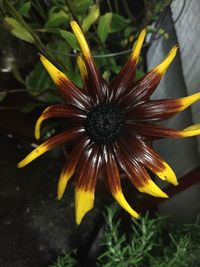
70 38
91 17
18 30
56 19
118 23
16 73
139 74
25 8
104 26
80 6
38 81
3 94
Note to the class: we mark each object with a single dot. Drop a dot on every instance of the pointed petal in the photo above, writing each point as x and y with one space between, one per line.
55 73
50 144
142 89
115 183
127 73
69 91
99 88
81 39
150 159
152 189
151 130
162 68
84 202
137 173
119 197
87 173
69 167
61 111
161 109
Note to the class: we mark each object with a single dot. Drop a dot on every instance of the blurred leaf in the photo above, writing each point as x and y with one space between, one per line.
128 31
56 19
3 94
104 26
70 38
118 23
38 80
25 8
80 6
159 7
18 30
30 106
91 17
139 74
16 73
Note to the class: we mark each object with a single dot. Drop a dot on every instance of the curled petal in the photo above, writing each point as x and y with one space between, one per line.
50 144
127 73
69 167
69 91
150 159
161 109
160 132
99 88
115 183
87 172
142 89
137 173
59 111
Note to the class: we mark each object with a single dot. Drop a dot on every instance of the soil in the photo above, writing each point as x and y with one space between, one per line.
35 228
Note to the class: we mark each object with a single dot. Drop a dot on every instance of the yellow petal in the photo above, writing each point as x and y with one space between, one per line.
189 100
152 189
84 202
62 183
167 174
55 73
191 130
82 68
138 46
162 68
33 155
38 126
118 195
81 38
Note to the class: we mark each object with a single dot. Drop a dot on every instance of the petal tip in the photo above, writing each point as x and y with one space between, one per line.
84 202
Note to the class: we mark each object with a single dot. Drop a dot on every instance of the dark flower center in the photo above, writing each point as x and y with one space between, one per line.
104 123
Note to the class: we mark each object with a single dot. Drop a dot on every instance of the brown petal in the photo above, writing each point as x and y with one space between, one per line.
50 144
69 91
137 173
152 130
86 178
143 88
127 73
69 167
99 87
149 158
59 111
161 109
114 182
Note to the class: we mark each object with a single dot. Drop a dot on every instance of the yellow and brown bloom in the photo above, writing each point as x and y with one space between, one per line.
113 125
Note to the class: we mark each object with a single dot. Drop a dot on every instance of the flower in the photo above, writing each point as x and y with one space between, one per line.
113 126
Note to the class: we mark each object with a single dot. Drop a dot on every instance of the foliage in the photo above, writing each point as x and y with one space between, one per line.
65 260
44 25
148 243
